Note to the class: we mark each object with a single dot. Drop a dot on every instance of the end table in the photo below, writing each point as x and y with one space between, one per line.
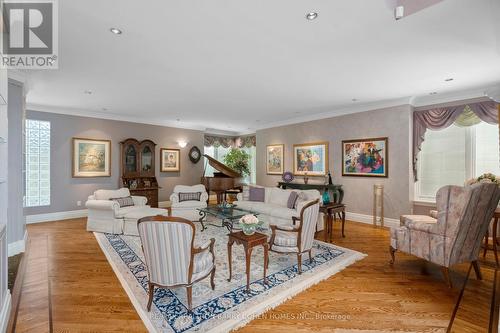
248 242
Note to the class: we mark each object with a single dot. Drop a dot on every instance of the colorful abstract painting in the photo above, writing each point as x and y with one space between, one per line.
365 157
91 158
275 159
310 159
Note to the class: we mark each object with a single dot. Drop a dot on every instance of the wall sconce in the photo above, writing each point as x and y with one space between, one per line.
182 143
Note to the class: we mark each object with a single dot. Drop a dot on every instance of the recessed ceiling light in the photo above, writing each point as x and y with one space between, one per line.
449 79
178 119
354 99
87 92
104 109
311 16
433 93
116 31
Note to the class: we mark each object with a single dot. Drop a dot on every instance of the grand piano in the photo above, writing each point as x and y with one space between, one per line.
223 180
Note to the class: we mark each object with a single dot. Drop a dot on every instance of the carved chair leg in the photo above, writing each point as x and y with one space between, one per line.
151 294
475 264
486 241
299 262
310 256
446 275
212 277
392 251
189 291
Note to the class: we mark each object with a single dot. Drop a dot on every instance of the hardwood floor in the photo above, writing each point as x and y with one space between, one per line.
70 287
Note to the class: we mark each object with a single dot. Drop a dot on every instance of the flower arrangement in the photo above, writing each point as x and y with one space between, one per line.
249 223
485 178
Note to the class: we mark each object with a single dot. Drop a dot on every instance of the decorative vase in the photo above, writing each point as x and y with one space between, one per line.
326 198
248 229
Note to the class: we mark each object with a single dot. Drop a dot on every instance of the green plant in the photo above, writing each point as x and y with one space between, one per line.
238 160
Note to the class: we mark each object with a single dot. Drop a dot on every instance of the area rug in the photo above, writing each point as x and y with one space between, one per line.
229 306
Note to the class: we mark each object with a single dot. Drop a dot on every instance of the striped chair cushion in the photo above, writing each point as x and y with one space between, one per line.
283 238
124 202
193 196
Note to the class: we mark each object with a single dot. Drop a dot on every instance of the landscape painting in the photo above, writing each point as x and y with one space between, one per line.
91 158
310 159
275 159
365 157
170 160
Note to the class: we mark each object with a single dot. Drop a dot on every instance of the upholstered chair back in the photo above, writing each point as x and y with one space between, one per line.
309 217
167 247
189 189
480 202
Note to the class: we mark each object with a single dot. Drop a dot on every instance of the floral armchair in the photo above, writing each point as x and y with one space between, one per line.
453 234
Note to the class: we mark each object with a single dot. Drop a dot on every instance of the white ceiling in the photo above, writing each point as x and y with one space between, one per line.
243 65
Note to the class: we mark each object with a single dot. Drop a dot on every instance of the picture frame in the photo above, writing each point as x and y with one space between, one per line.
310 159
91 158
275 159
366 157
170 160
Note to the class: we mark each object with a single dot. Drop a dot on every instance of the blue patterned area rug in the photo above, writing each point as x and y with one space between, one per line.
229 306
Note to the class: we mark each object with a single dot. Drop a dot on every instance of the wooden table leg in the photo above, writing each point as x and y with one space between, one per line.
248 255
229 255
486 241
495 224
266 260
343 222
325 226
331 220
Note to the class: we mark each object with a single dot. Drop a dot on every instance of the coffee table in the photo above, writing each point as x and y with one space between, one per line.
227 215
248 242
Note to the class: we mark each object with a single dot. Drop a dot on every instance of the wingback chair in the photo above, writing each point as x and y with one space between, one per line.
296 238
454 234
187 199
172 259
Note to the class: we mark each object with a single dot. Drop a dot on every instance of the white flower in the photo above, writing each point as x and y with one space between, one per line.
249 219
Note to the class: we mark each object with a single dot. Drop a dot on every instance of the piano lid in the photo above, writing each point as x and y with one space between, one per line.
221 167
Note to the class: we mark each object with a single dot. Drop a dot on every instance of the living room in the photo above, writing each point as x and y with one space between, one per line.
216 167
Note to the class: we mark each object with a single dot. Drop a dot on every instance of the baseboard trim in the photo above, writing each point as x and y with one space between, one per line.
57 216
5 312
18 246
368 219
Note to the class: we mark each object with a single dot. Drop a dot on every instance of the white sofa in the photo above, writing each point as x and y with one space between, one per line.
274 209
105 215
188 209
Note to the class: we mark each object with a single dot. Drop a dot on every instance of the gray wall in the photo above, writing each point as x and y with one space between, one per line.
66 191
16 225
391 122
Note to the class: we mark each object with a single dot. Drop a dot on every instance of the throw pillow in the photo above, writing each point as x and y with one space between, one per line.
193 196
124 202
292 199
257 194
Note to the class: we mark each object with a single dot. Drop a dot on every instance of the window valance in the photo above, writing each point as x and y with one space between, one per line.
230 141
440 118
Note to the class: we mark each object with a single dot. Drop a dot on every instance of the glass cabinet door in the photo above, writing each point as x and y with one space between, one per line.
146 159
130 158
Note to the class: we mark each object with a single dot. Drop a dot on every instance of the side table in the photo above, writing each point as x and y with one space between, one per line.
330 211
248 242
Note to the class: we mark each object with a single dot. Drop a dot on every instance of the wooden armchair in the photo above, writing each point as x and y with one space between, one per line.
296 238
171 256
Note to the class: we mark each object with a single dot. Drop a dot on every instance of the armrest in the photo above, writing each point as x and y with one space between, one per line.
174 198
205 246
139 200
203 196
239 197
288 228
295 219
431 228
102 205
433 213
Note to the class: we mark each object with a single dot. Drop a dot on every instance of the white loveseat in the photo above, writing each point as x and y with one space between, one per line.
105 215
274 209
188 209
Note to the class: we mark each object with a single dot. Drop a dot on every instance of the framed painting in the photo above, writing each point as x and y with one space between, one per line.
170 160
275 158
310 159
365 157
91 158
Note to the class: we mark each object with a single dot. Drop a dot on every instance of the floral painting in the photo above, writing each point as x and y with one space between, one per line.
91 158
310 159
170 160
365 157
275 159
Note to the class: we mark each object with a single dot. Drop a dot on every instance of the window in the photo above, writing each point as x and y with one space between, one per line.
37 182
219 152
455 154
